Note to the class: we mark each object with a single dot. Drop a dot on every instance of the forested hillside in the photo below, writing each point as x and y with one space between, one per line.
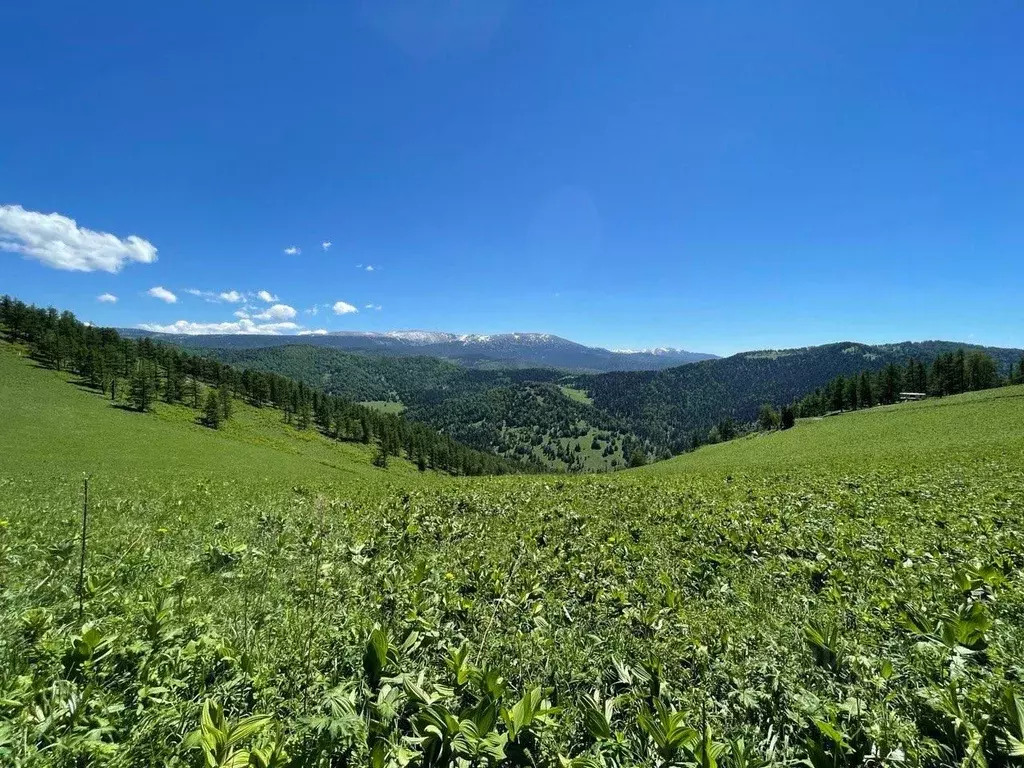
677 407
516 413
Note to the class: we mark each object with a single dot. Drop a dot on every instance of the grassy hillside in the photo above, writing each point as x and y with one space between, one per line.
846 593
909 434
62 429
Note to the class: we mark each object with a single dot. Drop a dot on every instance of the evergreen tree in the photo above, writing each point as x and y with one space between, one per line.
212 410
788 417
865 392
768 418
381 457
224 398
142 387
851 394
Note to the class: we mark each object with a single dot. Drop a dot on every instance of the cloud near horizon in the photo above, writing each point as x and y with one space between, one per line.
239 327
57 241
159 292
343 308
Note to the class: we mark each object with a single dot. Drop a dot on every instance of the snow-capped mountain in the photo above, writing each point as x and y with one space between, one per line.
500 350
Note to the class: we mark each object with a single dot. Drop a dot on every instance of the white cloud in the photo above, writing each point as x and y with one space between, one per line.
211 296
317 332
377 307
326 245
59 242
159 292
241 313
370 268
231 297
107 298
312 310
293 250
239 327
266 296
343 308
276 312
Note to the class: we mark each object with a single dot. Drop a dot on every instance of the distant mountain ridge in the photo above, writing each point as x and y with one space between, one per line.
501 350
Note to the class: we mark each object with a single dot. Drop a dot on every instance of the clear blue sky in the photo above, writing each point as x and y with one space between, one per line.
718 176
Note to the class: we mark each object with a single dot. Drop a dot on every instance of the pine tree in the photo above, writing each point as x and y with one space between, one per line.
865 393
851 394
224 397
142 387
381 457
212 410
788 417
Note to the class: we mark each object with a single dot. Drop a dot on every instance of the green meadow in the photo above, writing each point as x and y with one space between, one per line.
844 593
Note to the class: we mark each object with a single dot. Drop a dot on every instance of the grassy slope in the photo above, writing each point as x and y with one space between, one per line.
63 430
912 434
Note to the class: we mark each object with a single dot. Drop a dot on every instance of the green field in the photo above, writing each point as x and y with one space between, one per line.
930 432
847 593
385 406
579 395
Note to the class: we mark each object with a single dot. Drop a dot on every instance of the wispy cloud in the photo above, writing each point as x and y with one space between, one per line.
377 307
107 298
343 308
266 296
326 245
315 332
159 292
59 242
232 297
293 250
371 268
244 326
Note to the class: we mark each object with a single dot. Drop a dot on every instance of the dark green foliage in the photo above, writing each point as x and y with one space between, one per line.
768 418
951 373
143 386
212 411
520 413
788 417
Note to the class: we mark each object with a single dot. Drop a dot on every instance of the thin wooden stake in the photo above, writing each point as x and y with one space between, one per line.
81 562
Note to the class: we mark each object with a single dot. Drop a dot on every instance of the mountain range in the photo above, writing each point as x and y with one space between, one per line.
502 350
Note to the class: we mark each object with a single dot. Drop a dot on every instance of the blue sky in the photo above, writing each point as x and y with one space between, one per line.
713 175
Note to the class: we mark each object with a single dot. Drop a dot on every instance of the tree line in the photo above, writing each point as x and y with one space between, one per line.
135 373
950 373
